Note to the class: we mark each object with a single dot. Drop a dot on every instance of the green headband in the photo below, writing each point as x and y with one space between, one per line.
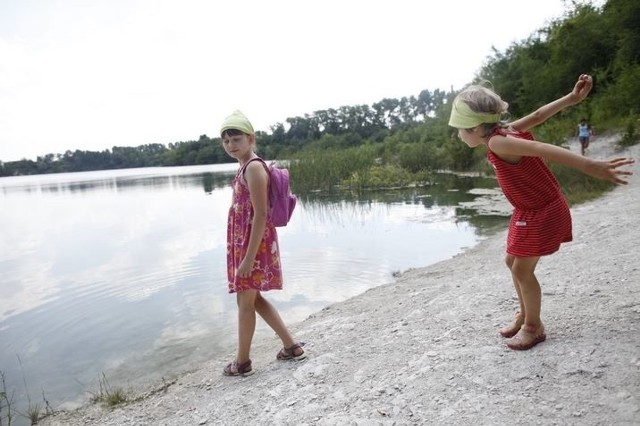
463 117
237 121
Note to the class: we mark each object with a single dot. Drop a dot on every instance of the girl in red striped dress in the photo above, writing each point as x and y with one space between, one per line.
541 220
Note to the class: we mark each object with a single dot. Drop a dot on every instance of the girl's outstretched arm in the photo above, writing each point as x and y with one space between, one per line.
511 149
580 91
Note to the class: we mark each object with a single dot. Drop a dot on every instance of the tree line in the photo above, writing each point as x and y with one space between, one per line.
347 126
412 131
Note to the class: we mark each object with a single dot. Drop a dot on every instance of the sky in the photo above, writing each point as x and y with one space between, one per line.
94 74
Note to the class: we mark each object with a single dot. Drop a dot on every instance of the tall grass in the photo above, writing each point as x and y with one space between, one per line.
578 187
325 170
107 395
372 167
34 411
355 169
6 402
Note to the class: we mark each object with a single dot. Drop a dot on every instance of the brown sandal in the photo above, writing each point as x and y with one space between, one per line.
235 369
286 354
513 328
528 336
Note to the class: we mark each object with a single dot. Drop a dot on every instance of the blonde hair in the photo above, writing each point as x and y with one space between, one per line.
484 100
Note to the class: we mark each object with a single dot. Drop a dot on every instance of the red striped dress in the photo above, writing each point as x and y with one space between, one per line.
541 220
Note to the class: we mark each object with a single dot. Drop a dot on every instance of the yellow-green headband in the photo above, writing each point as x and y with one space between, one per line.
237 121
463 117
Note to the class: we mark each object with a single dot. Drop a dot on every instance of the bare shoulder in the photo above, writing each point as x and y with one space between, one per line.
508 148
255 171
496 142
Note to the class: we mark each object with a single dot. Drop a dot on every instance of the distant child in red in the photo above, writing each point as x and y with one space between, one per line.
541 220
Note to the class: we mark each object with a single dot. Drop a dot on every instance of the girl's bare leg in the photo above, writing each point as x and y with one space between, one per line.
510 260
246 323
271 316
522 271
511 329
532 331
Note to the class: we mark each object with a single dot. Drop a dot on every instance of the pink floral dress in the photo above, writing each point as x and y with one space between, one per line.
266 273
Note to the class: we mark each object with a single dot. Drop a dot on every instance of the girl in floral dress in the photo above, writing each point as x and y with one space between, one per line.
253 256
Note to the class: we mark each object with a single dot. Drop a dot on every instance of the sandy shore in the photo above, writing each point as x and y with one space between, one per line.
425 349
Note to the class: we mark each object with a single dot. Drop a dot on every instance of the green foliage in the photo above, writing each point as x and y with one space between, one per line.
459 156
578 187
622 96
326 169
417 157
622 18
556 132
377 177
630 135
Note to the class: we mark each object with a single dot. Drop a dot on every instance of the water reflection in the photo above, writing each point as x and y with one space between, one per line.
210 178
123 272
474 199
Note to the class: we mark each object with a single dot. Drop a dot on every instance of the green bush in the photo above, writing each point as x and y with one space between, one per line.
376 177
630 135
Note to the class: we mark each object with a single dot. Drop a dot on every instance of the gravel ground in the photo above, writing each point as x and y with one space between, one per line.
425 348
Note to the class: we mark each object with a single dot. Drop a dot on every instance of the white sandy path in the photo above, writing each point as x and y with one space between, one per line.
424 350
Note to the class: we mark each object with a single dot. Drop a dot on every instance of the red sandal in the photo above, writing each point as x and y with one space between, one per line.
289 353
528 336
235 369
513 328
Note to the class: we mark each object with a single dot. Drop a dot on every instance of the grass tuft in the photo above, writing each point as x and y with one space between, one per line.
6 402
107 395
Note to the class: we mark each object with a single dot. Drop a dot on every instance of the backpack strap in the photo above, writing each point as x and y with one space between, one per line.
244 167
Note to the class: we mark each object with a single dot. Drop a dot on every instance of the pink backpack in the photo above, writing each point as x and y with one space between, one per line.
281 200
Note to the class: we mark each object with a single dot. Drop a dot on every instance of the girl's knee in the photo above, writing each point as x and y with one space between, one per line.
260 301
246 298
508 260
523 268
521 274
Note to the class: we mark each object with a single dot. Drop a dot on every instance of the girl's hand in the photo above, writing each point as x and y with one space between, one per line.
582 88
609 170
244 270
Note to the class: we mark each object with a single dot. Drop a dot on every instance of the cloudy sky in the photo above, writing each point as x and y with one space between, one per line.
93 74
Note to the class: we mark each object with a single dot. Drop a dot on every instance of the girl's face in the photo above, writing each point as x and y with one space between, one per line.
238 146
471 136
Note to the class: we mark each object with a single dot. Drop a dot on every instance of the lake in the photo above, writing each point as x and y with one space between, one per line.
123 272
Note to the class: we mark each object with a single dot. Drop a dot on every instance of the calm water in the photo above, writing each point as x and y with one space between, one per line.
123 272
